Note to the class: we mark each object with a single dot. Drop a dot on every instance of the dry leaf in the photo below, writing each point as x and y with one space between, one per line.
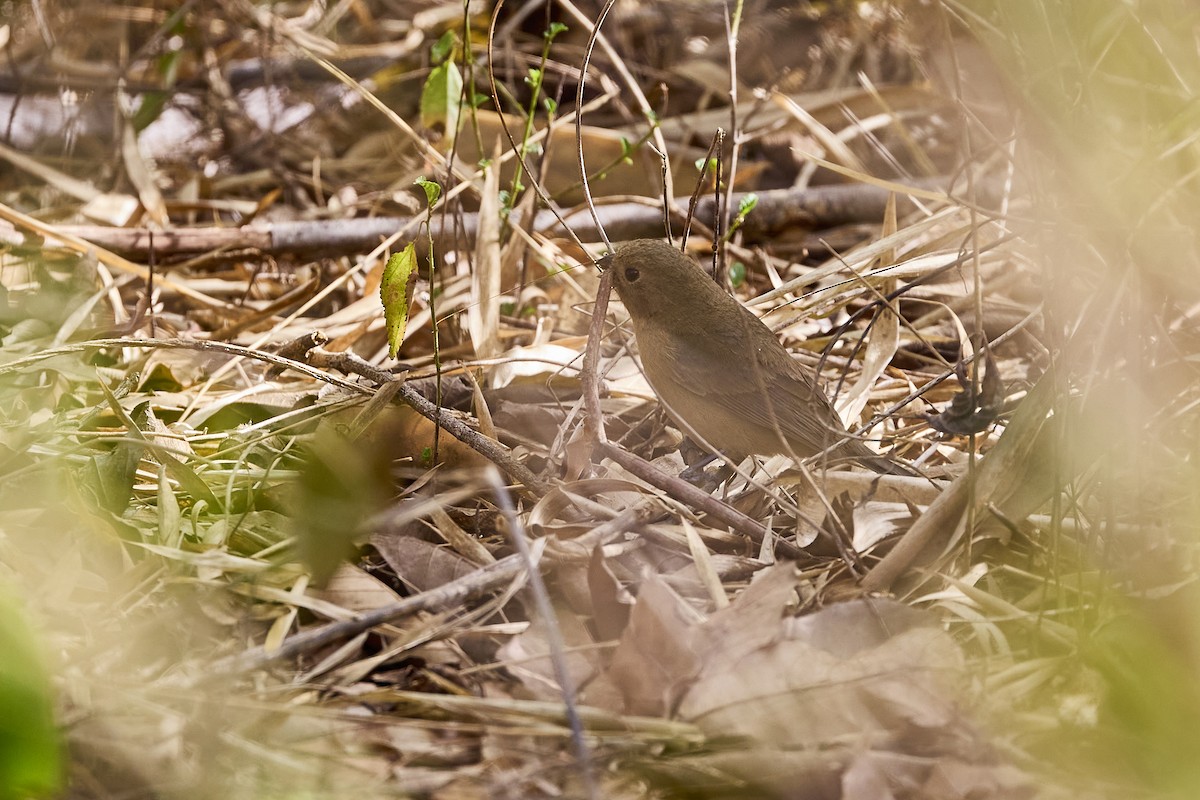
527 655
355 590
656 654
859 697
418 563
483 314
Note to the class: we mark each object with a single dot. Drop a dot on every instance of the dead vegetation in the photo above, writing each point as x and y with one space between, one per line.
261 558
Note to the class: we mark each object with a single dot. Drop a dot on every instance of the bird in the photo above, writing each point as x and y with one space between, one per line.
719 372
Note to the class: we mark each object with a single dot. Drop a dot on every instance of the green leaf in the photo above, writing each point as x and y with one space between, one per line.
534 78
550 104
443 47
744 208
747 205
30 750
627 150
148 110
168 66
115 481
153 102
433 191
440 98
554 30
110 476
395 294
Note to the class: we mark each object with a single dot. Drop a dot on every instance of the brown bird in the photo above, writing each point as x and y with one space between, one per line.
719 371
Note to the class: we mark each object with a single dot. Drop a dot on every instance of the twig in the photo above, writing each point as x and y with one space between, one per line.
346 362
732 28
580 548
717 139
453 593
186 344
553 635
103 256
297 349
489 448
583 175
689 495
777 210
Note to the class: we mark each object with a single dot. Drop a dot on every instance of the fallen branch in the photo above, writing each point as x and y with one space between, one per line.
489 448
777 210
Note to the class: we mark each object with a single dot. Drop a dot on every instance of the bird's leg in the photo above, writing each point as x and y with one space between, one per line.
696 472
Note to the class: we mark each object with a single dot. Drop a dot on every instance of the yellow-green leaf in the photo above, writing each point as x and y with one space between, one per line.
432 189
440 98
395 294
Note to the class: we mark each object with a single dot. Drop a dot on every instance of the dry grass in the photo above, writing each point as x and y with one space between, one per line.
257 568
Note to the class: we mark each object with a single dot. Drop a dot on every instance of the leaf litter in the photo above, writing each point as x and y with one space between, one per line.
201 536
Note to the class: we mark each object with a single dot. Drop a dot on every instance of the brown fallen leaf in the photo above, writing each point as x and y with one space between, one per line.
354 589
418 563
858 700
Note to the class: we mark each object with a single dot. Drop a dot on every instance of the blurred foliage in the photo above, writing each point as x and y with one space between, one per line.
30 751
1110 90
148 563
1106 95
337 491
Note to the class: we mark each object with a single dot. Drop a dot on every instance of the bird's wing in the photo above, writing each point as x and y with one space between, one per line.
789 401
708 364
770 391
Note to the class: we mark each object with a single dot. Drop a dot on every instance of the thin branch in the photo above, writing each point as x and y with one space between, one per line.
587 57
347 362
489 448
449 595
717 139
553 635
691 496
589 375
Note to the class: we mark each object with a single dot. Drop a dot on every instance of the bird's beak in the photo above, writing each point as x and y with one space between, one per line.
604 263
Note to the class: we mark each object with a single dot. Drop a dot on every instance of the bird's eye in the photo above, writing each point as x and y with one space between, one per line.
632 274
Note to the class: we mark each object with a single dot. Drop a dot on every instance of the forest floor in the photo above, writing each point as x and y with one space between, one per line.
326 470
